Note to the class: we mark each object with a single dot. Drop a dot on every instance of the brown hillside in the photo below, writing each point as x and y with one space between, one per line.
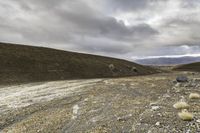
21 63
189 67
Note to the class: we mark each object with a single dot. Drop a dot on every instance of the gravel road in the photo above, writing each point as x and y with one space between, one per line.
134 104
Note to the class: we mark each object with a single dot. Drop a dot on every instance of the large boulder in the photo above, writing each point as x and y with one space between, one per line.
182 79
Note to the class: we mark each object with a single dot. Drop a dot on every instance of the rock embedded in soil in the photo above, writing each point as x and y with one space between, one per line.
154 108
182 79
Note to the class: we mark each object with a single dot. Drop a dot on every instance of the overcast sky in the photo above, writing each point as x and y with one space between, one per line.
119 28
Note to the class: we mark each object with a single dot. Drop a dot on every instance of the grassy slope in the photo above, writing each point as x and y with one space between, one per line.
189 67
21 63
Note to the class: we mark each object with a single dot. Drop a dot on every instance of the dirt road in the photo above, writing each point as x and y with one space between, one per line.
135 104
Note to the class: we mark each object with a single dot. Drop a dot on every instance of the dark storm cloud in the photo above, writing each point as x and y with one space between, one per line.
109 27
105 26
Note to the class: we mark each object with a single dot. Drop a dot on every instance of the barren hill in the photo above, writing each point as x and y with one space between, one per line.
189 67
21 63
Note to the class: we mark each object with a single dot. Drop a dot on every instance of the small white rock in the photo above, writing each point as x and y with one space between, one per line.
153 104
157 124
166 96
198 121
154 108
86 99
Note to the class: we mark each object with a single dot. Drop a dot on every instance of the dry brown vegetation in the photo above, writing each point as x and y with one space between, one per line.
185 115
181 105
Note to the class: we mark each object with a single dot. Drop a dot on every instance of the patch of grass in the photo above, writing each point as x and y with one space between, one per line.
181 105
185 115
194 96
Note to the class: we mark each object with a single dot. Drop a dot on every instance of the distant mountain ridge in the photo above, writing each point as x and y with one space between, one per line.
20 64
168 60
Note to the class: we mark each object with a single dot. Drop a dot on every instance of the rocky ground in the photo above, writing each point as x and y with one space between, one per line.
142 104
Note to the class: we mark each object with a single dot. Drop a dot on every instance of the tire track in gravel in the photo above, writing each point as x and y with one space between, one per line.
14 97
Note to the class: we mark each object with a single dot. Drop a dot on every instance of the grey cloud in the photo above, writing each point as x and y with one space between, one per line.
63 25
134 5
40 4
129 4
77 25
190 3
106 26
178 50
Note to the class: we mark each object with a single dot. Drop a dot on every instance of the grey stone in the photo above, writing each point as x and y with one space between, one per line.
182 79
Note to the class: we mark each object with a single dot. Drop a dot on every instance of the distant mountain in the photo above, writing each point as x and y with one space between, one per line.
19 63
168 60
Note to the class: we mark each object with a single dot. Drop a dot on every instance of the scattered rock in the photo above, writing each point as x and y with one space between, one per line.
166 96
198 121
182 79
174 82
194 96
159 114
154 108
185 115
124 118
181 105
157 124
75 111
153 104
177 89
177 85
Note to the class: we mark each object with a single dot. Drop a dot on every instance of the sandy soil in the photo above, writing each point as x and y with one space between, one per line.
142 104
